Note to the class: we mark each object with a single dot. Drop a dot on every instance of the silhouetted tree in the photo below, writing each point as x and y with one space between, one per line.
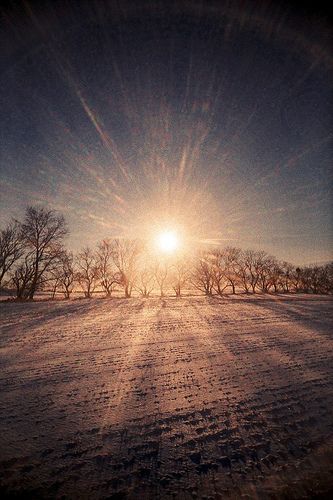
33 257
23 275
287 272
107 272
295 278
328 278
242 272
180 275
145 281
67 278
264 266
42 232
219 271
125 257
317 279
231 257
202 276
275 276
161 271
253 262
305 279
11 248
87 271
63 274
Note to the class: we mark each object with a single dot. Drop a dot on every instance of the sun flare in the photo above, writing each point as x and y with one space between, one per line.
167 242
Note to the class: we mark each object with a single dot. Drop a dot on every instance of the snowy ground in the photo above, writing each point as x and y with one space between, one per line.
189 398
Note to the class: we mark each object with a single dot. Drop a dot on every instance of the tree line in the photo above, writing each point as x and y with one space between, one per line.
33 257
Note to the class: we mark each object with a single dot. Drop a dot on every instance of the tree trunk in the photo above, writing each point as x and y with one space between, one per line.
32 291
34 281
54 290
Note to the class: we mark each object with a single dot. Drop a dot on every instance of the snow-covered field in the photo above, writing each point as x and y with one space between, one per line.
151 398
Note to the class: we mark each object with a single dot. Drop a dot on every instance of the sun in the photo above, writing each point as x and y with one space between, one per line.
167 241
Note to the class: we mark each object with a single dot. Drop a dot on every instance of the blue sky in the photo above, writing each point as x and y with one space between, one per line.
213 118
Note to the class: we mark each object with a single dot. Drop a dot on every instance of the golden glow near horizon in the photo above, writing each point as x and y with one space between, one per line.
167 241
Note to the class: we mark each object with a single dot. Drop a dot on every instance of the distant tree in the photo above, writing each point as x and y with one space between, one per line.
202 276
253 263
145 281
108 274
296 278
305 279
218 269
275 276
328 278
42 232
67 278
161 271
242 273
224 262
313 279
220 282
231 258
125 257
264 265
23 276
11 248
180 275
87 270
63 275
287 274
54 279
317 279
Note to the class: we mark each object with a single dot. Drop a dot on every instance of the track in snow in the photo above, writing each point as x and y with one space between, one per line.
167 398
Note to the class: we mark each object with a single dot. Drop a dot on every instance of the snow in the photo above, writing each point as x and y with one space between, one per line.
152 398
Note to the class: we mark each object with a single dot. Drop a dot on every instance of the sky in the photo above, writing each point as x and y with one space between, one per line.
211 118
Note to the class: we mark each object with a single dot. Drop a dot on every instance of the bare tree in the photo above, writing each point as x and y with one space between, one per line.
218 269
202 277
107 272
325 281
232 256
125 257
305 279
225 269
317 277
328 278
67 278
63 275
22 277
296 278
161 271
264 265
253 262
54 280
314 279
276 276
180 275
11 248
88 271
287 276
145 282
242 272
42 232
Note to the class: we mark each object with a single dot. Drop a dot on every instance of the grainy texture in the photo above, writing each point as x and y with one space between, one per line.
169 398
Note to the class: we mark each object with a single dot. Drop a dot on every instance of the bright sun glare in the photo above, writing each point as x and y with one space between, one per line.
167 241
